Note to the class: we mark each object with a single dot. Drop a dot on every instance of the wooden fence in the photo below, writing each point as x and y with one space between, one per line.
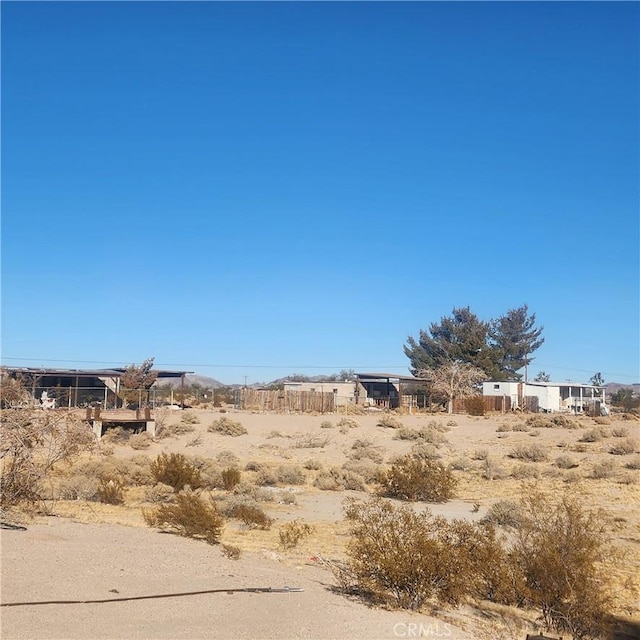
287 401
501 404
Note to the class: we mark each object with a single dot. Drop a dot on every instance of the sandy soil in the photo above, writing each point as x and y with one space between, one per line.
90 551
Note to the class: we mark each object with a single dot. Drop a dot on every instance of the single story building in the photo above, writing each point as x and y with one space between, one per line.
550 396
343 392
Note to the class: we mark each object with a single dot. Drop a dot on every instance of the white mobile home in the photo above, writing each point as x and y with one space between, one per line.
551 396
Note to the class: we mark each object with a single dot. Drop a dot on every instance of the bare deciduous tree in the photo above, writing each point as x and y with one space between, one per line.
453 380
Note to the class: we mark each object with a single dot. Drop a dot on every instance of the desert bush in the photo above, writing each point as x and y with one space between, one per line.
404 558
140 441
369 471
189 417
425 450
474 406
196 441
293 533
563 553
461 463
540 421
231 551
492 469
412 478
364 449
230 477
313 464
525 471
620 432
116 435
227 458
77 487
210 472
159 493
390 422
504 513
505 427
480 454
173 430
110 491
529 452
286 497
190 516
327 424
624 447
336 479
312 441
604 469
33 444
227 427
252 516
594 435
565 462
176 470
266 476
633 463
348 423
521 427
291 474
252 492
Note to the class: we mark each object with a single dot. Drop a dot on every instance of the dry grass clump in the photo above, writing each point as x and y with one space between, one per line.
227 427
116 435
542 421
525 472
366 469
425 450
529 452
624 447
348 423
594 435
252 516
267 475
173 430
604 469
176 470
110 491
76 487
249 491
190 516
424 434
522 427
230 477
619 432
159 493
364 449
492 469
140 441
313 464
189 417
389 422
293 533
505 427
227 458
418 478
504 513
312 441
231 551
327 424
633 464
336 479
566 462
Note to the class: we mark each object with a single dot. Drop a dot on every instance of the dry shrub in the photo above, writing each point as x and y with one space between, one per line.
190 516
540 421
313 464
505 427
252 516
248 491
492 469
159 493
525 471
231 551
504 513
196 441
425 450
291 474
76 487
529 452
566 462
474 406
521 427
389 422
364 449
116 435
140 441
604 469
620 432
230 478
188 417
176 470
312 441
416 478
227 427
403 558
33 444
266 476
366 469
336 479
563 552
327 424
293 533
633 464
174 430
348 423
480 454
624 447
227 458
110 491
594 435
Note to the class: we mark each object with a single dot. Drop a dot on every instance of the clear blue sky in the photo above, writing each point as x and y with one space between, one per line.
257 189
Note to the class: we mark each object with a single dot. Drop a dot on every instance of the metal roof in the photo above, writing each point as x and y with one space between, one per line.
389 376
86 373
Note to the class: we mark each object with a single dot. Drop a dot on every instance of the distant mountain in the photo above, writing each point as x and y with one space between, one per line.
612 387
191 379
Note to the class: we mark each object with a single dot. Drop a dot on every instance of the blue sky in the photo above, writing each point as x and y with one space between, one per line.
256 189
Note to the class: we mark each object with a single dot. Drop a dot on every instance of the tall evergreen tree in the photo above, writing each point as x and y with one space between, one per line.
459 338
515 336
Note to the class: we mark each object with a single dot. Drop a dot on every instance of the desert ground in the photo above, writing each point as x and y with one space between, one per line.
98 566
